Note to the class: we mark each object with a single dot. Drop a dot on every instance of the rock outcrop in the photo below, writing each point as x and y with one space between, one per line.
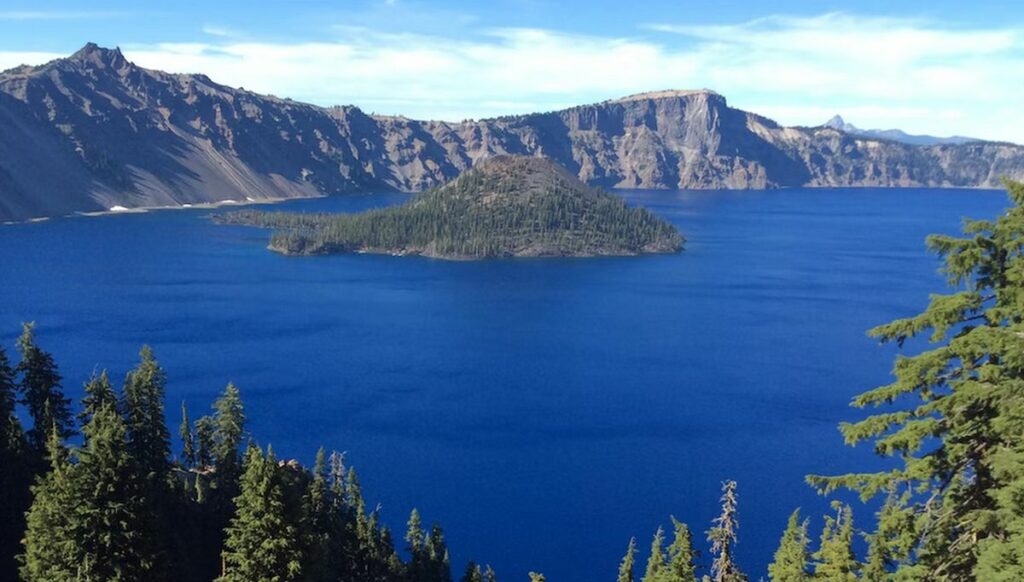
94 131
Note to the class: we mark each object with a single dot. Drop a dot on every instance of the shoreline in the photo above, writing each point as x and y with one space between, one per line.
121 210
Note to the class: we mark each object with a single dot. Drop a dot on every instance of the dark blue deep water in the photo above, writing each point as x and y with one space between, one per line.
544 411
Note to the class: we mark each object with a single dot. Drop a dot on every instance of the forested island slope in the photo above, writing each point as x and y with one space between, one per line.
95 131
507 206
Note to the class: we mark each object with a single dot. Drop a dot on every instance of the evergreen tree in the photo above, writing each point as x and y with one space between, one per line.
657 563
188 439
681 567
84 523
723 537
51 536
473 573
98 395
626 566
262 541
204 441
414 539
148 437
792 558
41 392
229 429
953 415
320 520
114 536
15 473
834 560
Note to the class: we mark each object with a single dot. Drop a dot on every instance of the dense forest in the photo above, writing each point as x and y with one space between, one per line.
505 206
95 492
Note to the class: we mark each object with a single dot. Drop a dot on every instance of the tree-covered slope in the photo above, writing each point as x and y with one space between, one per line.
506 206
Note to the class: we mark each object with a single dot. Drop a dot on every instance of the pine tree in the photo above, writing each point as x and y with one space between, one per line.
188 439
15 473
229 429
681 567
952 413
320 520
792 558
112 527
473 573
41 392
148 437
415 545
723 537
262 541
657 563
50 540
439 566
627 564
98 394
204 441
835 560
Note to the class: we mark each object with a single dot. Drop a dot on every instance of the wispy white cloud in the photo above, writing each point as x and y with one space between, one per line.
221 31
920 75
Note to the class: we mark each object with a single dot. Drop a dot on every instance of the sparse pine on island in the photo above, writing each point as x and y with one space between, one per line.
507 206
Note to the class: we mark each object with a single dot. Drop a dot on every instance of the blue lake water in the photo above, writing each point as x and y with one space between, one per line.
544 410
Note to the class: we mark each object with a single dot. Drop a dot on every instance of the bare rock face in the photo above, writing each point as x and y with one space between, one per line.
94 131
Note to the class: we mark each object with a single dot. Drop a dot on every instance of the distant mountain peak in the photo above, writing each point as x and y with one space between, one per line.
897 135
836 122
99 56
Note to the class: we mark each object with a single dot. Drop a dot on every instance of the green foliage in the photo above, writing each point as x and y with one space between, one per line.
681 555
953 418
189 453
263 539
657 563
41 392
834 561
628 561
88 518
512 208
15 472
792 557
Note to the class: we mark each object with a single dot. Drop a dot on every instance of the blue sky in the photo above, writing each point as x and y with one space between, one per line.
937 67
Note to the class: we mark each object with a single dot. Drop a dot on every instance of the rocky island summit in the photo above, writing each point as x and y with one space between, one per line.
506 206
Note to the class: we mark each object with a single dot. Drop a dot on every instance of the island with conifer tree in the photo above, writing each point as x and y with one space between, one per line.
506 206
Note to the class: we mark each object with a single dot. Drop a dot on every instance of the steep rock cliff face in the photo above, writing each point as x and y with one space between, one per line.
94 131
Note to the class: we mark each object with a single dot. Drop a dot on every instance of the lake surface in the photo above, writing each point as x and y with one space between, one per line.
543 410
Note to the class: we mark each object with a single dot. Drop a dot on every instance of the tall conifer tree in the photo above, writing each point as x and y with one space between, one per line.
41 392
835 560
15 473
681 555
952 415
723 539
627 564
657 563
188 439
262 541
793 557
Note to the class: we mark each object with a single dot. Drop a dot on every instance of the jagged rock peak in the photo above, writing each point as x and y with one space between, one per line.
99 56
836 122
